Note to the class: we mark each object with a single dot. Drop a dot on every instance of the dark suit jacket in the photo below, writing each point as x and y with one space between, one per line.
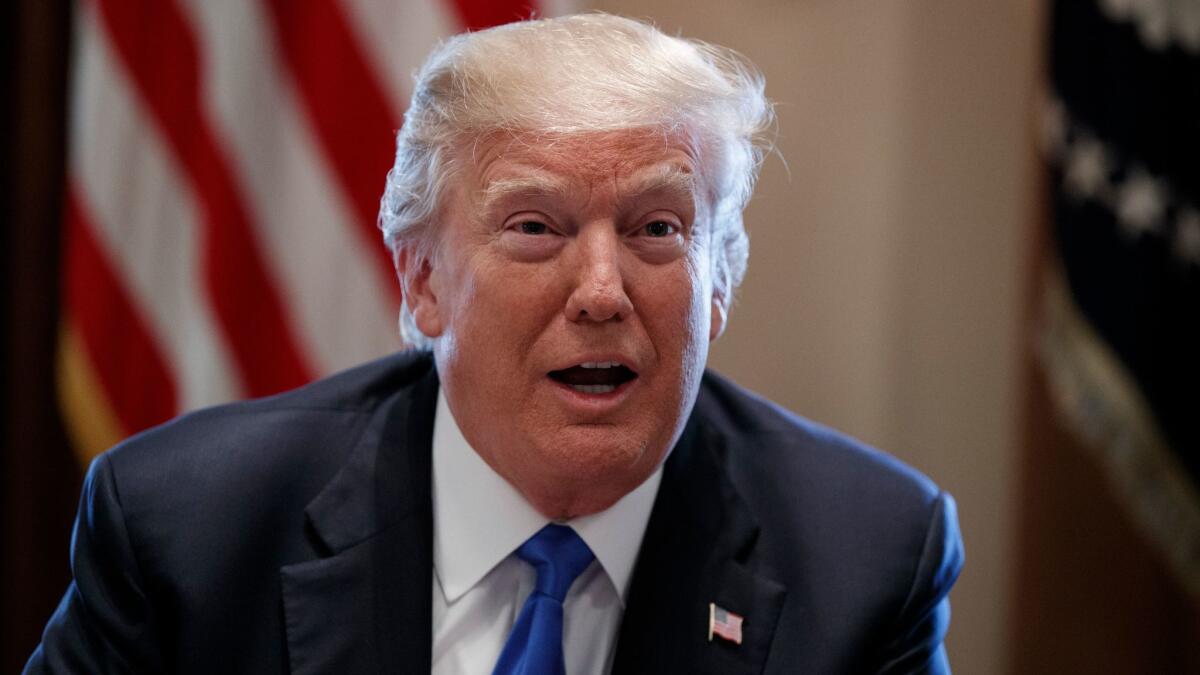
295 533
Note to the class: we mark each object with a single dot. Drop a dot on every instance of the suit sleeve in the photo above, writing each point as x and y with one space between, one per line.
915 644
103 624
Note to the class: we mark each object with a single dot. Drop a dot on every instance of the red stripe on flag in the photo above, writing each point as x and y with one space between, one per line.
159 50
348 109
479 14
130 366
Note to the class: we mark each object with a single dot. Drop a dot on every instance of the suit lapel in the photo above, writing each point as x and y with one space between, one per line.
365 607
698 549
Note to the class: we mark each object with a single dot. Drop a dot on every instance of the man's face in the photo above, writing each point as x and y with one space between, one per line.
571 296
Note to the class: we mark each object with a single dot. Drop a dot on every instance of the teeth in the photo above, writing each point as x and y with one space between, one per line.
599 364
594 388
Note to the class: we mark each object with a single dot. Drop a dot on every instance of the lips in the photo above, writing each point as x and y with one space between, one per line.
594 377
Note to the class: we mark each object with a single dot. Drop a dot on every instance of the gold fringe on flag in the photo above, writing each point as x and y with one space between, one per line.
1101 403
91 424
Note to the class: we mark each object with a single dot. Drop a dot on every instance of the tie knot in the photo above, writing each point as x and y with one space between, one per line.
559 556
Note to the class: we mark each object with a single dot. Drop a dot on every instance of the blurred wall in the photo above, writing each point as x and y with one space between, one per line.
887 276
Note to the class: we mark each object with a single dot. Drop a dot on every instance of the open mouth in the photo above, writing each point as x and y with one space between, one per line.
594 377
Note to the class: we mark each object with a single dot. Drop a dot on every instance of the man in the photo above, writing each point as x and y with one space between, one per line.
550 480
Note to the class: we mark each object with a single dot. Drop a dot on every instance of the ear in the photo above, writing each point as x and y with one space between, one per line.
418 290
722 290
720 312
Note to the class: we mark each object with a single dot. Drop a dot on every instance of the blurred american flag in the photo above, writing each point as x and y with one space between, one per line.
226 160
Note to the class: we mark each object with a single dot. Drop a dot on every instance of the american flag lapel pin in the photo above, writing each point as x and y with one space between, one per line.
724 624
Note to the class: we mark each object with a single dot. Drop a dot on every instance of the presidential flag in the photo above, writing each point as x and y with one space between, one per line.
1121 339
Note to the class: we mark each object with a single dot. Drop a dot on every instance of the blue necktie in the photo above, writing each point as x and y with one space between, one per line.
535 644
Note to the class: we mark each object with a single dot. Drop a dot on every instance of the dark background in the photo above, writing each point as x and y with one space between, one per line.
40 476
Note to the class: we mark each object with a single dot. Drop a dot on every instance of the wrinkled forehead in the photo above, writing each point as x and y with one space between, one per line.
630 161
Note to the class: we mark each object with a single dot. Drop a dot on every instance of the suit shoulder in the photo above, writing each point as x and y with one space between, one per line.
785 446
351 392
860 539
294 438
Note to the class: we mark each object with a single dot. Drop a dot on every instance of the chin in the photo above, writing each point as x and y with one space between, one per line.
592 457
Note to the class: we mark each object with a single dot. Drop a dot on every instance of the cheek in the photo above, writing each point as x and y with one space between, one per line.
506 303
676 308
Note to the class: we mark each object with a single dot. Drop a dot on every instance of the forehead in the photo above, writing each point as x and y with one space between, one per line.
630 160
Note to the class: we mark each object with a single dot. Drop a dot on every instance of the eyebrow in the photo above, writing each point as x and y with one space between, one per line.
664 178
533 186
667 178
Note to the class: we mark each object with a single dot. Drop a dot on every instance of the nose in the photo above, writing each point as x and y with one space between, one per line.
599 292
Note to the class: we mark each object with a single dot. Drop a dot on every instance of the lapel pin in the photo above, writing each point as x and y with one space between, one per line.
724 624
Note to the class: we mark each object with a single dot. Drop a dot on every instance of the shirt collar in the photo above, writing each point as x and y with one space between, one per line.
479 518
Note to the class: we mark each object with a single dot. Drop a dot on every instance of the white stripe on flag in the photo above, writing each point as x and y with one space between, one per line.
146 219
326 274
397 36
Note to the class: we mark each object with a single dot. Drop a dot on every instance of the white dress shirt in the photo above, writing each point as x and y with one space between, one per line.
480 585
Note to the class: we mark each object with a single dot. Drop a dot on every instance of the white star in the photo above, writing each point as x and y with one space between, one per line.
1154 23
1087 168
1140 203
1117 9
1187 25
1187 237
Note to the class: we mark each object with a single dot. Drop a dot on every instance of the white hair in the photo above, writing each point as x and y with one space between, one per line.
574 75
